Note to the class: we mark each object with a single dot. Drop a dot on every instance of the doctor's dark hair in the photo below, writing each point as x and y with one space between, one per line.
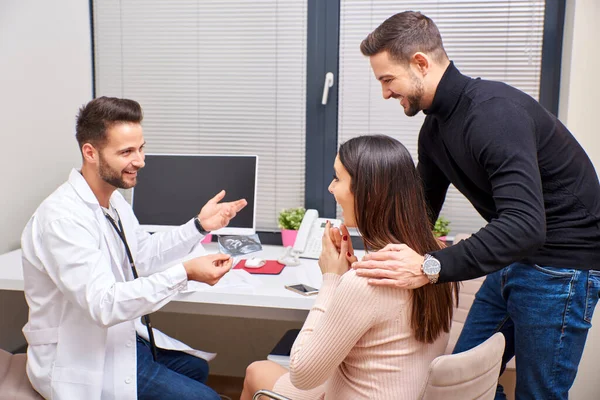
404 34
97 116
389 207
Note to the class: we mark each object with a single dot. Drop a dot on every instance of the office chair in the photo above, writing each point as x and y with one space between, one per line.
466 296
471 375
468 290
14 384
268 394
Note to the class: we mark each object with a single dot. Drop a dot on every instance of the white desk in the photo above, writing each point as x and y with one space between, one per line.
269 300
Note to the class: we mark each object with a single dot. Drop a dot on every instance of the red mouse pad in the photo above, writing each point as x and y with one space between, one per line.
271 267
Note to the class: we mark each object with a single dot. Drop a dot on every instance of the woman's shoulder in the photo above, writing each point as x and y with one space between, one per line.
359 287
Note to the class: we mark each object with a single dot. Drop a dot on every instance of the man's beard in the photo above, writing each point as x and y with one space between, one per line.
414 100
112 177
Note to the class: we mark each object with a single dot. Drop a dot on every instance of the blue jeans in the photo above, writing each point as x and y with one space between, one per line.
175 375
544 314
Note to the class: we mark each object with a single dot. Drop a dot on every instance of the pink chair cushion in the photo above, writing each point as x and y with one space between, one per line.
14 383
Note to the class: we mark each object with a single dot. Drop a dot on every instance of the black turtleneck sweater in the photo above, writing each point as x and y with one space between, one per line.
521 169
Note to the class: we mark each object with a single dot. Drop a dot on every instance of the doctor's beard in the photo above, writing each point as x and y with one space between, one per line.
112 176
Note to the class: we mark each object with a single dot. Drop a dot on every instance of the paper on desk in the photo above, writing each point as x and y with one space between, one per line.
235 278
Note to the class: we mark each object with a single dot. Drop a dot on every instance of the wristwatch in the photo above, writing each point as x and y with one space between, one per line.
431 267
199 226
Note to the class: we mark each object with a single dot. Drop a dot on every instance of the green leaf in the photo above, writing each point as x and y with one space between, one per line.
291 218
441 227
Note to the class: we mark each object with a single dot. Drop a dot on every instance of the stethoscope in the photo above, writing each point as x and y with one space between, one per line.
121 233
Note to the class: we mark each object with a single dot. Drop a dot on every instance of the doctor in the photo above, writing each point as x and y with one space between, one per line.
82 251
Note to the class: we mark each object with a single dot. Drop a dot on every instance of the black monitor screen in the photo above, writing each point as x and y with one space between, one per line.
172 189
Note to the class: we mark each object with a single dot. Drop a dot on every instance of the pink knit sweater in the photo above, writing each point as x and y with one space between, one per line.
357 343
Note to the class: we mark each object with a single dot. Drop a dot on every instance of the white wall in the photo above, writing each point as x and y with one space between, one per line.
580 79
45 76
579 100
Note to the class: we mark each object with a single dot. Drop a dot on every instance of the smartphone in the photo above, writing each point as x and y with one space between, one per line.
304 290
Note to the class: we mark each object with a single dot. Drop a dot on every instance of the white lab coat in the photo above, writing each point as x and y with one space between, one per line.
83 309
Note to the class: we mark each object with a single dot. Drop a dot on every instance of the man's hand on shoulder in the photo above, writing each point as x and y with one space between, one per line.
396 265
208 269
215 215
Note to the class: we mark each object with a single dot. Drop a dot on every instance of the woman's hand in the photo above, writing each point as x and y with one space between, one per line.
336 236
332 260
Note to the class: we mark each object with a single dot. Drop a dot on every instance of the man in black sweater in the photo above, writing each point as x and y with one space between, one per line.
527 176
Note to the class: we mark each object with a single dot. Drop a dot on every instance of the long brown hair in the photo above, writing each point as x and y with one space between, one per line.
389 207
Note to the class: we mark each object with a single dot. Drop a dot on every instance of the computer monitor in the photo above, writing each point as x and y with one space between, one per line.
172 188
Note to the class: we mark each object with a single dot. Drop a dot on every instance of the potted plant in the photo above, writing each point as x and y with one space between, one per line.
289 223
441 228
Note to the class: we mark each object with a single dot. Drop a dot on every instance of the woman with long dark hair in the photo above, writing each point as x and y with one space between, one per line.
361 341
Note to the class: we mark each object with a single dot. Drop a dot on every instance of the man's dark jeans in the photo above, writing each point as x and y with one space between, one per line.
544 314
175 375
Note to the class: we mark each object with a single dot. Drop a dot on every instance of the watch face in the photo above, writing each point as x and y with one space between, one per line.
431 266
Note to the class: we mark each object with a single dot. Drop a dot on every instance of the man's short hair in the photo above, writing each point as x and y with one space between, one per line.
97 116
404 34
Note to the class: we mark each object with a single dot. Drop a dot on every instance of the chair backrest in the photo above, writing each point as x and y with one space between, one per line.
468 289
471 375
268 394
14 383
466 296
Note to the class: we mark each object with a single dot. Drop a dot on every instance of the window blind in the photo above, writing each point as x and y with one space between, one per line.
214 77
495 40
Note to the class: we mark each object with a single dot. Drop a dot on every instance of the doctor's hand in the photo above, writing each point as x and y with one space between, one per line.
208 269
396 265
215 215
332 260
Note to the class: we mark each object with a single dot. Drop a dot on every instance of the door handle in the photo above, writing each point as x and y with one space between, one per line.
326 85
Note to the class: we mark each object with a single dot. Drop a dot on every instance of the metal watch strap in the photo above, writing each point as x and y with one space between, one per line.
433 278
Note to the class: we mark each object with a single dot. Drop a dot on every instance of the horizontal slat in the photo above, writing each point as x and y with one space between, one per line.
219 77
